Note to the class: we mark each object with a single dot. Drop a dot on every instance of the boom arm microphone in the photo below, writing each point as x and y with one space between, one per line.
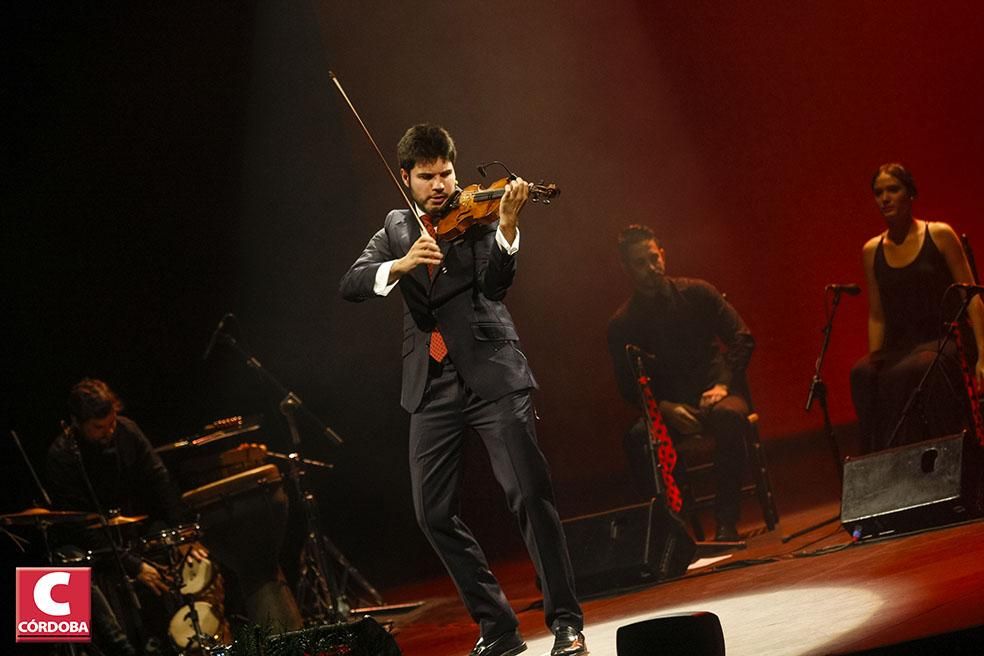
969 288
215 334
850 288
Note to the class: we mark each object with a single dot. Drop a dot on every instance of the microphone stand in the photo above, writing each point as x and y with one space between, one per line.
318 591
134 611
818 392
271 380
30 468
635 354
317 580
916 395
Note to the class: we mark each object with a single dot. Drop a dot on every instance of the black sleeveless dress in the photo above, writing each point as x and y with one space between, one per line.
881 383
911 296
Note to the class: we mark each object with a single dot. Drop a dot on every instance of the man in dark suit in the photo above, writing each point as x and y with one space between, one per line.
463 368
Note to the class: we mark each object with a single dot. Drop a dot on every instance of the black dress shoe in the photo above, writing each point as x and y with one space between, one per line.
505 645
569 642
727 533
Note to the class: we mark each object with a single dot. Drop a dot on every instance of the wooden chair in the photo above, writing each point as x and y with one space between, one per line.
696 465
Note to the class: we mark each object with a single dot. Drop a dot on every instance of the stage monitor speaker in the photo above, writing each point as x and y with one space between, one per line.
680 634
912 487
627 546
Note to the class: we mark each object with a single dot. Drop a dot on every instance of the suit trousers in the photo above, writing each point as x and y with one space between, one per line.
506 427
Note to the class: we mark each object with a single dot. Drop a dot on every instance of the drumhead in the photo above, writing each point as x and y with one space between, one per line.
196 575
182 629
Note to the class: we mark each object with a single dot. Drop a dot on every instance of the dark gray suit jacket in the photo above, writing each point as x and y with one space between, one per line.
464 301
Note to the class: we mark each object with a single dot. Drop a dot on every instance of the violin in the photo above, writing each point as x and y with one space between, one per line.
476 206
465 207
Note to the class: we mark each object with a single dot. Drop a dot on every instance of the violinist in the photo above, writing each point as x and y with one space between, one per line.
463 368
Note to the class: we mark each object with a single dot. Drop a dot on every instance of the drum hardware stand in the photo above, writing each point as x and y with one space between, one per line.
916 397
818 392
318 591
42 525
206 643
320 596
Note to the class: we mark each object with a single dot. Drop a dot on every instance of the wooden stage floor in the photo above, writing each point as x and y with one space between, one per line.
817 594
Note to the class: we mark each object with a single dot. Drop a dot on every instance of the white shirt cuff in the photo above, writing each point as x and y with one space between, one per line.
382 287
511 249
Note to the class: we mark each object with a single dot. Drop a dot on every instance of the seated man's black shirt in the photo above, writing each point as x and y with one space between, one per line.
127 475
684 326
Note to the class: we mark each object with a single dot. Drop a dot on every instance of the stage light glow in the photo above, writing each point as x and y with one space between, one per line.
760 624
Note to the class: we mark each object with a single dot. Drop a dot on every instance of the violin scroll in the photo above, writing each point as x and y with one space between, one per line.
541 192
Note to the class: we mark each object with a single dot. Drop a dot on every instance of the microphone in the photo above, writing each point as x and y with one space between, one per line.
847 288
71 436
215 334
483 167
969 288
637 353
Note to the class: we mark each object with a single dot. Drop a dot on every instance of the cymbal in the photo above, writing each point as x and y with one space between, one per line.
119 520
39 515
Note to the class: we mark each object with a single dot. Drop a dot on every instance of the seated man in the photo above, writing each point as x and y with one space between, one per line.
104 462
700 387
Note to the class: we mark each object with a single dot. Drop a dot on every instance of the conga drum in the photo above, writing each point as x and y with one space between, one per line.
245 519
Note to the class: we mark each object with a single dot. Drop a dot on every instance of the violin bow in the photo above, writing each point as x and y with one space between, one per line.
382 158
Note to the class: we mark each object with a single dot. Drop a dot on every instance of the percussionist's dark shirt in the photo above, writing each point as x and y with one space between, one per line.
684 326
127 475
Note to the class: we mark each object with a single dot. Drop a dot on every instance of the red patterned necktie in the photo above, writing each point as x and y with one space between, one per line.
438 349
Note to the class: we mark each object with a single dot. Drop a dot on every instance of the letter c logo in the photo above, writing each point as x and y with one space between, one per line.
42 594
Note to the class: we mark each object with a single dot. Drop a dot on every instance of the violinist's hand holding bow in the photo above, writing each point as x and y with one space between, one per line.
424 251
516 194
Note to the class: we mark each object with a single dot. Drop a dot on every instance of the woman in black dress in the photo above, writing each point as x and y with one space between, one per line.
908 268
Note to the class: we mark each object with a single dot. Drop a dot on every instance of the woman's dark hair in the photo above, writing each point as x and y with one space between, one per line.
900 173
424 143
632 235
92 399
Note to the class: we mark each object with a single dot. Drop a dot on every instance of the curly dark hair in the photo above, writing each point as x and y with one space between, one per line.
425 143
632 235
92 399
899 172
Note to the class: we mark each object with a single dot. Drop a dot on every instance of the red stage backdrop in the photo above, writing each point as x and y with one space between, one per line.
743 133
